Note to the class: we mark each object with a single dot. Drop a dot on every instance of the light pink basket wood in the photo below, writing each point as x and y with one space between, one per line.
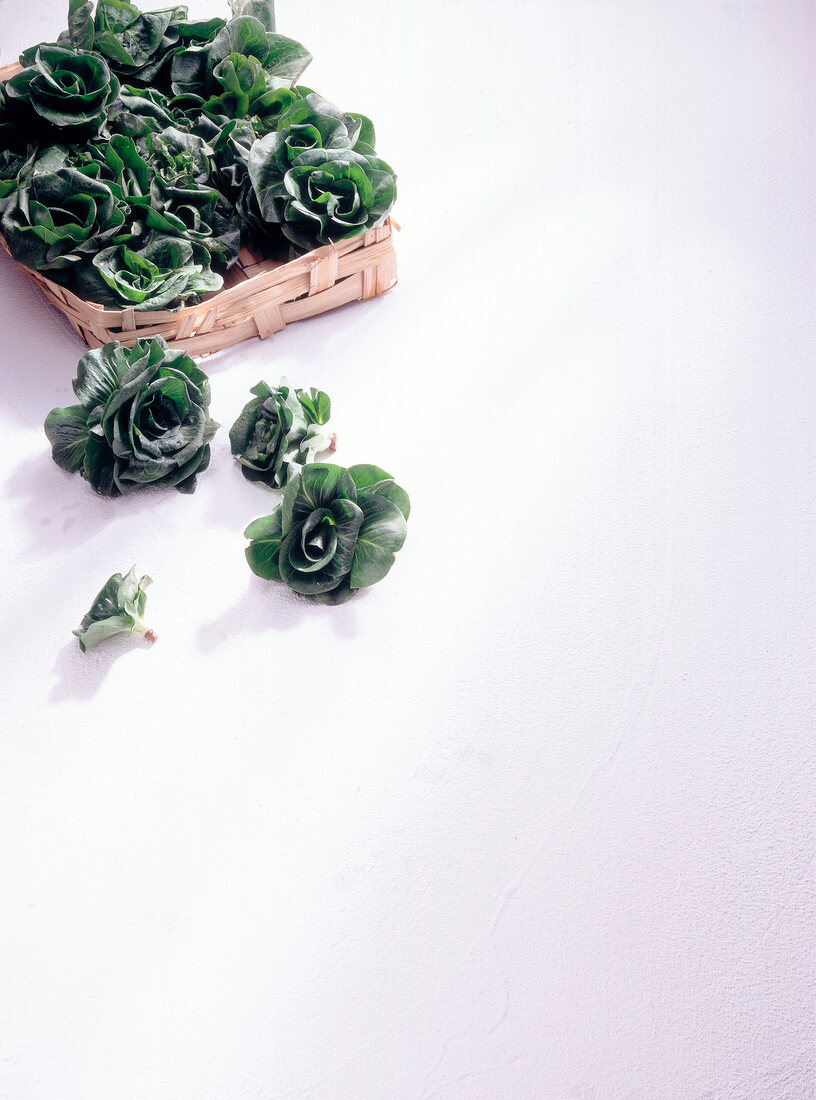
259 297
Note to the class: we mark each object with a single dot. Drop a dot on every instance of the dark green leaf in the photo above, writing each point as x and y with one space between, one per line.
99 467
315 487
285 58
67 431
348 518
366 138
244 35
382 533
147 417
98 374
298 580
265 526
365 475
323 544
80 24
371 479
64 90
262 10
262 553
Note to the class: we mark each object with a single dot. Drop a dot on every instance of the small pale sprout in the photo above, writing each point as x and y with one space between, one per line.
118 609
280 431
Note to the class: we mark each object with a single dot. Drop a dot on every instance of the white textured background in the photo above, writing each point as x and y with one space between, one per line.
534 818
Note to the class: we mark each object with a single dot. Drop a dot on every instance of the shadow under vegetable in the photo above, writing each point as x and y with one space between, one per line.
80 514
80 675
269 606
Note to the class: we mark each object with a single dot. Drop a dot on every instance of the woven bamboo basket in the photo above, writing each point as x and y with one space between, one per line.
258 299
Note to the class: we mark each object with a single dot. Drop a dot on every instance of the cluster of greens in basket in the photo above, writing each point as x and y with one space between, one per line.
142 421
139 151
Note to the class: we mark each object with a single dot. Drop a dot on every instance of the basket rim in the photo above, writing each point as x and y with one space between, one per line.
274 274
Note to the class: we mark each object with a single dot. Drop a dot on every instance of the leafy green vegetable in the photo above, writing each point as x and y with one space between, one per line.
280 431
263 10
64 90
15 167
232 146
118 609
61 218
197 214
326 194
178 158
142 419
21 157
317 174
336 531
166 273
140 111
180 201
80 33
281 59
161 180
243 91
308 123
136 45
118 164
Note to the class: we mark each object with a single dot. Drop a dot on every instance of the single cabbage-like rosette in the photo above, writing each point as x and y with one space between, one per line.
318 176
65 91
143 419
59 219
335 532
166 273
310 123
